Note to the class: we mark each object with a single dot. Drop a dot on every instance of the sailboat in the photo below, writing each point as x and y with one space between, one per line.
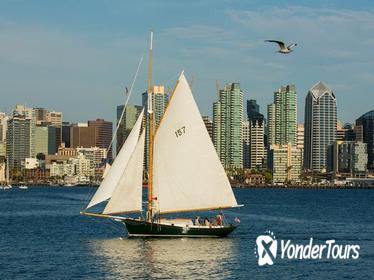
185 175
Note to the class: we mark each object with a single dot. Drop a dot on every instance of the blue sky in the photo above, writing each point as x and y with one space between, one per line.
77 56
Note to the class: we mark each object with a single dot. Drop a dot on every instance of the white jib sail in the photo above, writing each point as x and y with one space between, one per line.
111 179
127 197
188 174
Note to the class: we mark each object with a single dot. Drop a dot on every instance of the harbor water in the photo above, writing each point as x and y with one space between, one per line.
44 237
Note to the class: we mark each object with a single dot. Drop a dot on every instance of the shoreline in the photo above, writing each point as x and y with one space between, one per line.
269 186
302 187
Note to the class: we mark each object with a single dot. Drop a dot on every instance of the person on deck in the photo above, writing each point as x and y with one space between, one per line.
206 222
219 220
197 221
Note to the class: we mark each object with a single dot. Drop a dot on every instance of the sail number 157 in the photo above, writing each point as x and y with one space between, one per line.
179 132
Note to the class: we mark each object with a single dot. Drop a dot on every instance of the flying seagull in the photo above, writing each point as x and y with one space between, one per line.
282 46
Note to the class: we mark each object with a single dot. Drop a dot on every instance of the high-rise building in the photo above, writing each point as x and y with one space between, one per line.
285 161
19 139
45 140
41 116
256 144
256 135
41 140
253 109
347 157
2 171
2 149
55 118
359 133
320 126
209 126
345 133
227 123
3 126
270 130
366 123
82 135
300 139
217 127
284 121
27 113
65 129
160 101
246 144
128 121
103 134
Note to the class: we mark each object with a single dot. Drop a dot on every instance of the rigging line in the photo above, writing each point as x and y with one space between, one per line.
90 194
126 102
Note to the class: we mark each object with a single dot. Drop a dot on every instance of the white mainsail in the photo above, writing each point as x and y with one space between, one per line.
112 179
127 197
188 174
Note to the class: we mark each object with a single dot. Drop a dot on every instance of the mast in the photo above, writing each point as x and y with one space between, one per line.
151 130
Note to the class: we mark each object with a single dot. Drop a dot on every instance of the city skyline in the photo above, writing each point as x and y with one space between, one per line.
57 56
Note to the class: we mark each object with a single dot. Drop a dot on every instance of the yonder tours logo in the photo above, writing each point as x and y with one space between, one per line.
267 249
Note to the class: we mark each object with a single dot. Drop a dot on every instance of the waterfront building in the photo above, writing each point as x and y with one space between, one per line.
103 134
65 130
345 133
320 126
366 122
3 126
41 116
82 135
129 118
3 131
209 126
26 112
78 166
96 155
285 162
284 117
19 140
160 101
55 119
347 157
359 133
217 127
246 144
3 149
45 140
63 154
82 166
31 163
270 130
257 152
2 171
227 123
59 169
253 109
41 140
300 139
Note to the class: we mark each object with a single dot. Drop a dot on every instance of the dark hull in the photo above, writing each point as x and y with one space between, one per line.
146 229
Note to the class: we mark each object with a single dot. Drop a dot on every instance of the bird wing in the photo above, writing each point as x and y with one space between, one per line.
280 43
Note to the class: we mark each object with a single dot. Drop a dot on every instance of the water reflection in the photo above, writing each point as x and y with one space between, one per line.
167 258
